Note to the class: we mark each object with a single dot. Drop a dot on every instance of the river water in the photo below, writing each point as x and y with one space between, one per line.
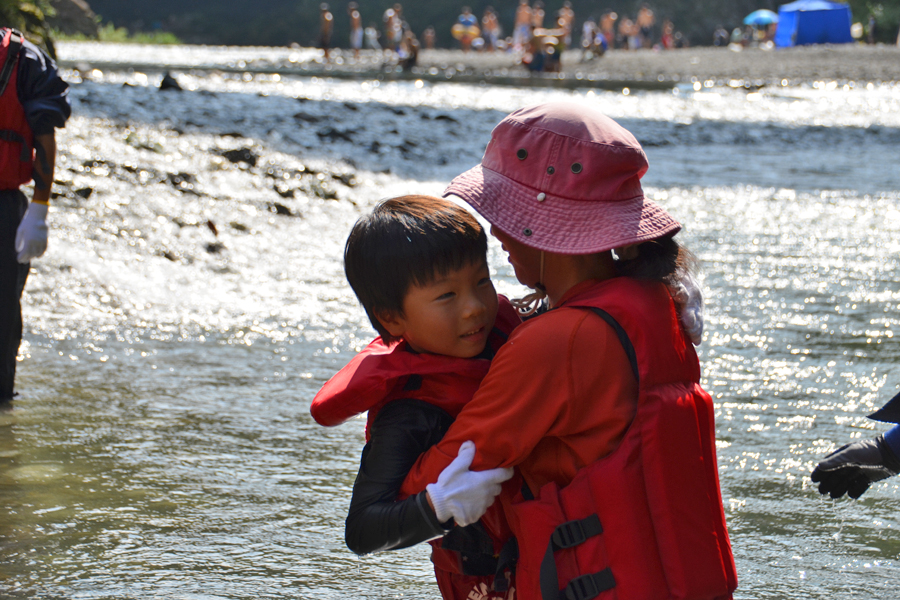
192 301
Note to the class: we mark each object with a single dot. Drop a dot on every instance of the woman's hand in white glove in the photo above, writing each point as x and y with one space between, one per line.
31 236
463 494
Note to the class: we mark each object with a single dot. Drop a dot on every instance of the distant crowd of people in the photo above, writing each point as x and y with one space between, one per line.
540 41
397 37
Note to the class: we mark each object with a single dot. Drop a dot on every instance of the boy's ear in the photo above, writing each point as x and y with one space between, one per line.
392 322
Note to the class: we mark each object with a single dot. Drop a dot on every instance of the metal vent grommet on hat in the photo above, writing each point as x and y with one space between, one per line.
527 232
522 153
576 168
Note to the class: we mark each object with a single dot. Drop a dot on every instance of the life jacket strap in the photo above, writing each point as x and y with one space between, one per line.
11 136
588 586
572 533
623 339
506 565
568 535
12 57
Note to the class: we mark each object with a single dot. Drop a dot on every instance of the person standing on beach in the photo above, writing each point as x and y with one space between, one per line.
34 101
326 26
537 15
608 28
522 26
356 28
644 25
371 35
566 19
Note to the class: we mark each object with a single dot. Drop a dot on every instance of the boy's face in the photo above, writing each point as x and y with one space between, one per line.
452 315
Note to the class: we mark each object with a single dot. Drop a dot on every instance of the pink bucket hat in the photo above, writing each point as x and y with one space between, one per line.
564 178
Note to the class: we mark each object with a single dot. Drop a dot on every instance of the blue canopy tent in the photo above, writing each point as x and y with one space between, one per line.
813 22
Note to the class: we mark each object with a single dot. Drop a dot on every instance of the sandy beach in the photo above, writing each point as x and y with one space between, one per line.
857 63
641 69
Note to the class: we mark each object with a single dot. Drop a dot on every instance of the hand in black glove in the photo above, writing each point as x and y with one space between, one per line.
852 468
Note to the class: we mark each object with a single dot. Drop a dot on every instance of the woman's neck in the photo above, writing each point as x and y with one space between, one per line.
562 272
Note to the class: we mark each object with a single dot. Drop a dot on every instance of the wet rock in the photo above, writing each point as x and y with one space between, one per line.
323 191
280 209
84 192
241 155
285 192
348 179
183 182
214 247
330 133
306 117
169 83
351 106
238 226
212 227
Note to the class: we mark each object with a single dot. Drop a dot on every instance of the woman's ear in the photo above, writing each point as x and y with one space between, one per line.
393 323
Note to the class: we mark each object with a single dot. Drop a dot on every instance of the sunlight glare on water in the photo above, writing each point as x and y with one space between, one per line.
192 301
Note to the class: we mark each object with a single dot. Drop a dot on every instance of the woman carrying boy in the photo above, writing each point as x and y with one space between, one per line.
596 402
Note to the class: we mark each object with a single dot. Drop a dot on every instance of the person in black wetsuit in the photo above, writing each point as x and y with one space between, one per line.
852 468
419 267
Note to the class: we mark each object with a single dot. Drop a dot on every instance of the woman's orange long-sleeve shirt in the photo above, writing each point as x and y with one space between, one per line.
558 396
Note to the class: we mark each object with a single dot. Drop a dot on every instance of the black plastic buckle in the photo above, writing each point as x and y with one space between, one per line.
569 534
572 533
590 586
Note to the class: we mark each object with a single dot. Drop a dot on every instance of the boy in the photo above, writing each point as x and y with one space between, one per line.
419 267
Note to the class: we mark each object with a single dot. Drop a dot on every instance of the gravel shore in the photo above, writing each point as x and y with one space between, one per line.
805 64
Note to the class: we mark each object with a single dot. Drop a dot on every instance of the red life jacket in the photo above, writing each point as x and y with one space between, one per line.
646 521
383 372
16 139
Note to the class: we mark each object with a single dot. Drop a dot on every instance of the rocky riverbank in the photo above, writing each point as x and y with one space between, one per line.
806 64
642 69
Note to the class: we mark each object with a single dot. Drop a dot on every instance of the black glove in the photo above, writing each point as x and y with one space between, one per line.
852 468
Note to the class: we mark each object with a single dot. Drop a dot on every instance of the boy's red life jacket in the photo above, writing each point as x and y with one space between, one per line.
380 373
646 521
16 139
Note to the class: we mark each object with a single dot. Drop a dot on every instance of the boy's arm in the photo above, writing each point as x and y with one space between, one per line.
376 520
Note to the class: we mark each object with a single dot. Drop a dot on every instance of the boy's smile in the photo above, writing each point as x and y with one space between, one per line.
451 315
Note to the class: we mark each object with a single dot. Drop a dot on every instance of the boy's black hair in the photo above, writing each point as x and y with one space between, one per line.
407 241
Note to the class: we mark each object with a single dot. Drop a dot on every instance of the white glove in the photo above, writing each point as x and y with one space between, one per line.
463 494
31 237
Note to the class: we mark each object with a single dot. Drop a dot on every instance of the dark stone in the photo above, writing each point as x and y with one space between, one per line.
302 116
280 209
242 155
169 83
331 133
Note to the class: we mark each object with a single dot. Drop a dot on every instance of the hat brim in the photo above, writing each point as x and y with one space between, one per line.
557 224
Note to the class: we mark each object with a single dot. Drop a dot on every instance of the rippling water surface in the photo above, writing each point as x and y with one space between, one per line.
192 301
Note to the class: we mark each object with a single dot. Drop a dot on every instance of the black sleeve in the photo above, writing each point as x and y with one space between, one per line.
43 93
376 521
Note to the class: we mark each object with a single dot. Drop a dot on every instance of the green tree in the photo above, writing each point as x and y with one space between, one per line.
887 17
31 19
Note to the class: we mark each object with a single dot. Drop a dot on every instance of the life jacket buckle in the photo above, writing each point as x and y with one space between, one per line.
572 533
589 586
